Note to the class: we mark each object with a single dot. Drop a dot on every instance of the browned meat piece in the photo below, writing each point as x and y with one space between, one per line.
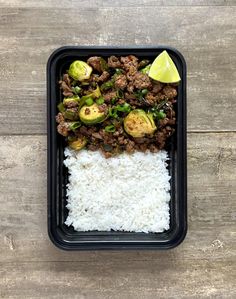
120 82
130 87
160 138
130 96
97 135
67 91
63 128
153 148
160 97
130 146
104 77
109 95
129 61
95 63
151 98
140 140
143 63
141 81
87 111
92 147
102 108
65 85
94 78
131 73
170 92
157 86
60 118
121 101
114 62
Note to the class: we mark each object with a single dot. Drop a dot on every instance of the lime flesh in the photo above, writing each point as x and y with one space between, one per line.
164 70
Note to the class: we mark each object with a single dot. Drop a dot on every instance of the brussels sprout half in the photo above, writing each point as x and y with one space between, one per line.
80 70
138 123
91 115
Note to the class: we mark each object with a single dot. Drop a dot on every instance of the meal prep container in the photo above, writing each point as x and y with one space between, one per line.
66 237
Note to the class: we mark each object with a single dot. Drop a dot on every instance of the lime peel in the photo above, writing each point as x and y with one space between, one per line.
163 69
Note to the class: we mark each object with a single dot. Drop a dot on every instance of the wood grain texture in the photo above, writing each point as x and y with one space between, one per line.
113 3
205 36
114 280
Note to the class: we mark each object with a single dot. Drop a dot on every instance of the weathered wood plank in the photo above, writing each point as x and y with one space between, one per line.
211 204
143 280
112 3
206 37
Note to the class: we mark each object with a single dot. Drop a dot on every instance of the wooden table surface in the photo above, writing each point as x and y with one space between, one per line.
204 265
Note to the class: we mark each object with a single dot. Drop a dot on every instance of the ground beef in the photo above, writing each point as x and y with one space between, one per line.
141 81
114 62
151 98
156 86
67 91
63 129
170 92
120 82
103 108
104 77
60 118
95 63
109 95
129 62
87 111
130 87
130 146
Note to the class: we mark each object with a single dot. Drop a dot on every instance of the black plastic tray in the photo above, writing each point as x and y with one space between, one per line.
66 237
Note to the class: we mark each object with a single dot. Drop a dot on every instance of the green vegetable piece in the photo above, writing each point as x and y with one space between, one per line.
76 89
91 115
71 114
113 112
89 101
138 123
80 70
119 71
160 114
104 65
123 108
110 129
120 94
144 91
146 69
75 99
100 101
107 85
94 95
75 125
78 144
61 107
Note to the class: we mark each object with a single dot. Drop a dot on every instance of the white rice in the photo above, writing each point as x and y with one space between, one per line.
126 192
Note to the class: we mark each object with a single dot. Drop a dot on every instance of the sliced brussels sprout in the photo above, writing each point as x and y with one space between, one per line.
91 115
71 114
74 99
78 144
138 123
80 70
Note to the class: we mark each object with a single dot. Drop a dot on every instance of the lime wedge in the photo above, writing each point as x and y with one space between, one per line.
164 70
